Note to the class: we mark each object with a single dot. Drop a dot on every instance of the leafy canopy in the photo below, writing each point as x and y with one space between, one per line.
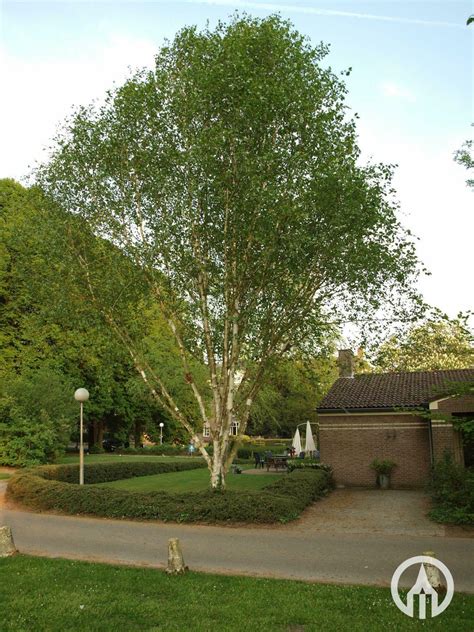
234 165
49 328
439 343
290 394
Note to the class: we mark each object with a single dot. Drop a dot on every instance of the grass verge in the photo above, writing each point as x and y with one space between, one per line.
54 595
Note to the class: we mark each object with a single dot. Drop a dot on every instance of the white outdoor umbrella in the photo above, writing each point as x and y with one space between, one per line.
297 442
309 442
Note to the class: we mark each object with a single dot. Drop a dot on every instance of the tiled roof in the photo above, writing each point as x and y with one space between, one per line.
392 390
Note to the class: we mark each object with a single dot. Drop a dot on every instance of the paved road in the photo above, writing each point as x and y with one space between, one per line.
292 551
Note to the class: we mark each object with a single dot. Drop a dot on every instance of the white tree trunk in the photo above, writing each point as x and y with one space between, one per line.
217 468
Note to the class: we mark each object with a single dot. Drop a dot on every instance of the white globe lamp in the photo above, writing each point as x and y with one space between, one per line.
81 395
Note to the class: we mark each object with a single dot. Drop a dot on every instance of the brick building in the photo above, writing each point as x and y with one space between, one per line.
383 416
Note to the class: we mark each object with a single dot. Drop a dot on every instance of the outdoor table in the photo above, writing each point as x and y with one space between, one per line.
278 461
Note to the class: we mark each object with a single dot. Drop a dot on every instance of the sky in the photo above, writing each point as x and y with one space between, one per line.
411 85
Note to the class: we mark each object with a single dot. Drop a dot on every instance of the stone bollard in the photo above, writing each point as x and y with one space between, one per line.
434 575
7 546
176 565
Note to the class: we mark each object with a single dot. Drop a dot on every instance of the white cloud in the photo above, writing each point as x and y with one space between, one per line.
437 206
42 92
395 90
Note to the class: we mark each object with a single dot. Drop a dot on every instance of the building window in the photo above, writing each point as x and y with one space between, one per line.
234 428
206 431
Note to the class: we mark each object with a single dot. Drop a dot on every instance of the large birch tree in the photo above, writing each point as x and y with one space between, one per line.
229 178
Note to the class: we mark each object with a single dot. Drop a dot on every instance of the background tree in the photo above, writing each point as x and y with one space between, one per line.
49 332
439 343
230 177
290 394
13 202
40 336
37 415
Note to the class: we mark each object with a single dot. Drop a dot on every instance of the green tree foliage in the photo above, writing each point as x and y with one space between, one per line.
40 329
438 343
462 422
452 492
361 363
13 203
465 158
290 394
37 415
48 325
230 177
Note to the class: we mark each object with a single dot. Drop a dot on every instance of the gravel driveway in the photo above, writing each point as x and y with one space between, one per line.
371 511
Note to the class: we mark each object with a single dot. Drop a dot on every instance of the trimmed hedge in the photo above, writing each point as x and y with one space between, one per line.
302 486
244 454
166 449
115 471
306 464
53 488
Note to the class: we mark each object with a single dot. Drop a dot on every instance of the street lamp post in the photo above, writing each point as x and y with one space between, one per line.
161 432
81 395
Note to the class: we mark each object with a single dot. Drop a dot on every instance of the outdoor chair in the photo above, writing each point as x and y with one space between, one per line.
259 460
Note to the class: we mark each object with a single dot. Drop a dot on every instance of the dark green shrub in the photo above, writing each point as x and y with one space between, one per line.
36 414
302 486
383 467
244 453
452 492
166 449
277 447
307 464
95 449
115 471
50 488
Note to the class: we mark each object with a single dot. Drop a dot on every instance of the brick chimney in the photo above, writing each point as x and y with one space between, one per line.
346 363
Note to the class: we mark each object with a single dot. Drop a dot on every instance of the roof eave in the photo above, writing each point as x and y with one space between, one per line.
386 409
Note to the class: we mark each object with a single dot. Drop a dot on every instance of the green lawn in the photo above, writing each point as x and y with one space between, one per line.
4 475
189 481
55 595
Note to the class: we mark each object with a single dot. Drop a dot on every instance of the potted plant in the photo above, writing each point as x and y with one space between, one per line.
383 468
